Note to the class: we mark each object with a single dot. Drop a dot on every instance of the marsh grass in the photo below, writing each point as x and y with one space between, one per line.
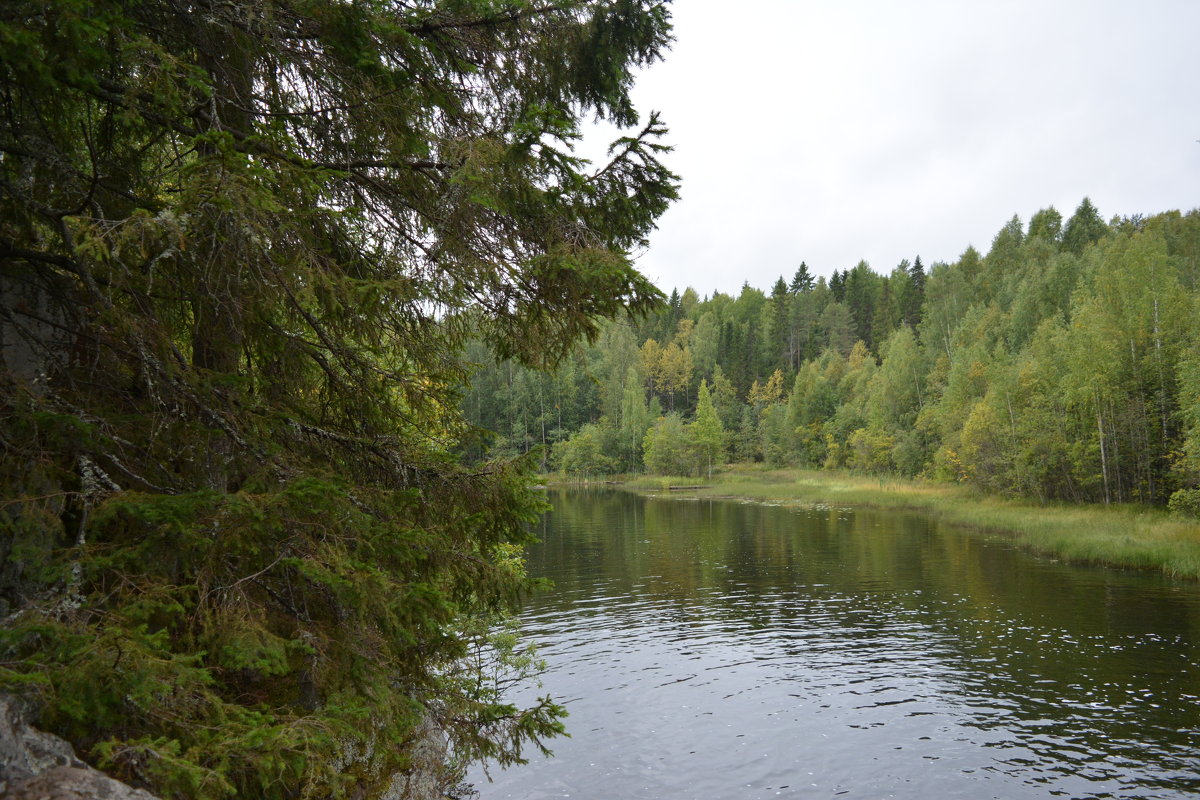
1123 536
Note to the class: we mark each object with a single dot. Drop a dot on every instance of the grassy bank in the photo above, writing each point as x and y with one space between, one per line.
1121 536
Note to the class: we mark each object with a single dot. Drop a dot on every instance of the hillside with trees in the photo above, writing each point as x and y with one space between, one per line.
1062 364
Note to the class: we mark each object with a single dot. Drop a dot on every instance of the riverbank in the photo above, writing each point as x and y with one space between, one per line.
1137 537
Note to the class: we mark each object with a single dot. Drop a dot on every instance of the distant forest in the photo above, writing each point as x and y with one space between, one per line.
1062 365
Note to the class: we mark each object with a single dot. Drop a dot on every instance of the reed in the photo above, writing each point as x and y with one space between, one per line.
1121 536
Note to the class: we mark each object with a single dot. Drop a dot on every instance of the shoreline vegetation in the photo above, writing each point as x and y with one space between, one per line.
1122 536
1061 366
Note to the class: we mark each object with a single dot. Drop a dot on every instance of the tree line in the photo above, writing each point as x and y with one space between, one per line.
1063 364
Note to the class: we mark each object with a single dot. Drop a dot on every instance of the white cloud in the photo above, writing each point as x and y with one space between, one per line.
832 132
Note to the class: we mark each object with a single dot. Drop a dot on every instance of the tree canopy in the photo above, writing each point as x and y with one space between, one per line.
242 246
1058 366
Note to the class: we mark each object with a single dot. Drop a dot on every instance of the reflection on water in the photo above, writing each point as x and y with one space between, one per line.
718 650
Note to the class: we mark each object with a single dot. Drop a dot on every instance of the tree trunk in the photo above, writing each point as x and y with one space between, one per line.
216 321
220 258
1103 455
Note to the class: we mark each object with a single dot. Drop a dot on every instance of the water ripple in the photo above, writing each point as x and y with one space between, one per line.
775 654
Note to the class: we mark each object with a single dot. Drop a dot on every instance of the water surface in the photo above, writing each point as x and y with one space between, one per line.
718 650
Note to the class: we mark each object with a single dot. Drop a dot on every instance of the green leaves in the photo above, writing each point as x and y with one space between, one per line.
1043 370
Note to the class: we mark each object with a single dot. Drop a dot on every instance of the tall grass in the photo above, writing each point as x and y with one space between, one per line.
1123 536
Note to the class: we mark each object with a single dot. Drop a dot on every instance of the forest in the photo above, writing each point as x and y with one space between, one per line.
1062 365
297 297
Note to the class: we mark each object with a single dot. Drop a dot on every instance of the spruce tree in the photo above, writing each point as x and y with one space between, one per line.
241 248
780 339
914 295
837 284
918 275
1083 228
802 281
860 298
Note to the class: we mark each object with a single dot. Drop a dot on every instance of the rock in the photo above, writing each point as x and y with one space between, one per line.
73 783
428 777
35 765
26 751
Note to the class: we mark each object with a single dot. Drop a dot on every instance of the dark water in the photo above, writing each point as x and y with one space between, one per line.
718 650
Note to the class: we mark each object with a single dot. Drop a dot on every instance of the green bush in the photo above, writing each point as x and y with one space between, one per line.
1185 501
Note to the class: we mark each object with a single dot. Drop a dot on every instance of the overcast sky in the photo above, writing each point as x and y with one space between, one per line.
831 132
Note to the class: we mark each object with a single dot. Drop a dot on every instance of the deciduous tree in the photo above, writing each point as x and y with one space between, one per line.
668 448
707 431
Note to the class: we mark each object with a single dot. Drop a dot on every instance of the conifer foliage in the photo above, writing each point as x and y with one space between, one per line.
241 245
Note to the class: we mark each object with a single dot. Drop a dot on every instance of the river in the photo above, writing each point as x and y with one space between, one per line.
718 650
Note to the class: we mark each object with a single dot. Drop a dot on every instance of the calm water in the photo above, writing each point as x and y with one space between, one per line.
717 650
